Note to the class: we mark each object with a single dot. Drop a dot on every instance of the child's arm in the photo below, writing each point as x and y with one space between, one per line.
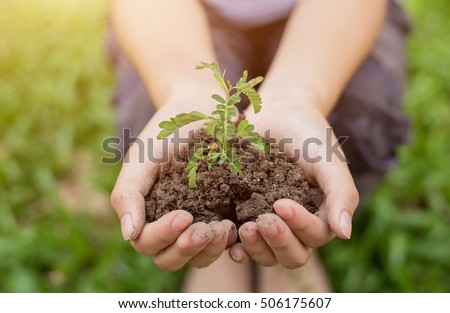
324 43
165 39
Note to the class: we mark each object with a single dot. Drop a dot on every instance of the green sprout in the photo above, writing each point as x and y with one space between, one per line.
220 125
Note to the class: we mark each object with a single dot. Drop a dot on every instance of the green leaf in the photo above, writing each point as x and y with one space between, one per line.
254 98
198 153
242 127
255 81
245 130
186 118
235 98
230 129
164 133
218 112
242 80
192 162
235 167
211 126
214 155
218 98
169 125
244 76
230 132
222 159
192 173
231 153
175 123
214 67
250 92
197 116
233 111
259 145
243 86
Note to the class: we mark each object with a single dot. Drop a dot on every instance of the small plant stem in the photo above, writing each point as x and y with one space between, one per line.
224 147
220 125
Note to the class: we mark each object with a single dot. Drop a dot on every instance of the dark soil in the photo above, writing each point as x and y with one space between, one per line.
223 195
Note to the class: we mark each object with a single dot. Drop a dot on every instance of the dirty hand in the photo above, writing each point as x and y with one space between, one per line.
172 240
289 236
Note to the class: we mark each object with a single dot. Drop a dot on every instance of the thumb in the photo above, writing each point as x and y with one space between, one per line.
341 204
341 196
130 207
128 196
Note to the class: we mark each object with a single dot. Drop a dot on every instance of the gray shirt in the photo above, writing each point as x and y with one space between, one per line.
250 13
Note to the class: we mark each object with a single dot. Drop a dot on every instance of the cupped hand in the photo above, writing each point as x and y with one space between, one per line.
173 240
289 236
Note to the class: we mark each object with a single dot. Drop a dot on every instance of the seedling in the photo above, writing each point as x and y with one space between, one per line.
220 125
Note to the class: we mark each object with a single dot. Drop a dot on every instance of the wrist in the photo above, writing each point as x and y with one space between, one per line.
300 88
297 99
189 92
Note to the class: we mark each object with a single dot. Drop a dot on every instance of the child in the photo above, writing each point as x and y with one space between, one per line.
326 63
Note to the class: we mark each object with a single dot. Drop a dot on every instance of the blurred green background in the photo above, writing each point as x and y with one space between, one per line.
57 230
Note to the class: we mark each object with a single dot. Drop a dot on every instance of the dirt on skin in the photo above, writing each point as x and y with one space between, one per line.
223 195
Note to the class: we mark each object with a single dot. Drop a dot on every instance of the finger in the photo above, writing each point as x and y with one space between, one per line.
191 241
341 195
341 203
214 248
132 185
255 245
238 254
130 207
232 232
312 230
286 247
160 234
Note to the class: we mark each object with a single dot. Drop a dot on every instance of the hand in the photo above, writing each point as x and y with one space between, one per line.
172 240
289 236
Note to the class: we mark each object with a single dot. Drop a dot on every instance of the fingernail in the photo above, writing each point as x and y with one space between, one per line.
218 239
201 235
218 232
180 222
272 231
345 224
128 230
287 212
250 235
237 255
268 225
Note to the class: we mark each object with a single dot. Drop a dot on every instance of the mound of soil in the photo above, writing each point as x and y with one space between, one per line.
223 195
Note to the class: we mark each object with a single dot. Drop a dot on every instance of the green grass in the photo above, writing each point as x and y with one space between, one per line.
55 89
401 240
